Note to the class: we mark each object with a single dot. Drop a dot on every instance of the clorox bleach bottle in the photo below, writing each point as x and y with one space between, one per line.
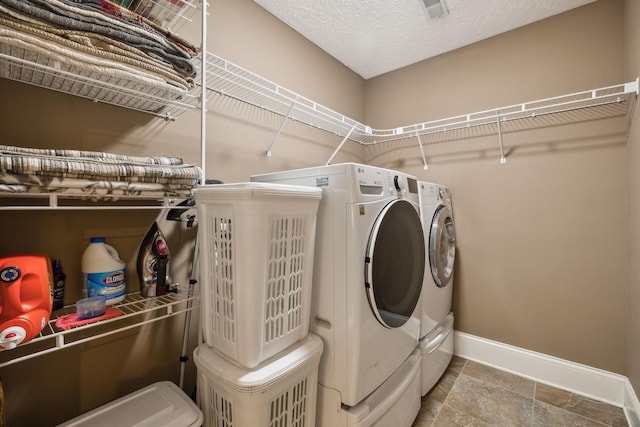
103 272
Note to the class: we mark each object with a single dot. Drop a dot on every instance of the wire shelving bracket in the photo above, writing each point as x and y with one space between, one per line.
284 122
424 159
503 159
340 146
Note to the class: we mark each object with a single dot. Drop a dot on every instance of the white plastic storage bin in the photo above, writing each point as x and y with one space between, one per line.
281 391
162 404
256 266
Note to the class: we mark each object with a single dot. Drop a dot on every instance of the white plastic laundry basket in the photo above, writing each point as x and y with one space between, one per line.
256 265
280 392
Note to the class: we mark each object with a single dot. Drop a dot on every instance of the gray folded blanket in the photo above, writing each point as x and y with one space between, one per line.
91 50
110 20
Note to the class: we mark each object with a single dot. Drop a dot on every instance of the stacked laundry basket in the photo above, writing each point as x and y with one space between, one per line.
258 365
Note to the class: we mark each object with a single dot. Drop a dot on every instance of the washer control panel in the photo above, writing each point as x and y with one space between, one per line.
378 181
401 183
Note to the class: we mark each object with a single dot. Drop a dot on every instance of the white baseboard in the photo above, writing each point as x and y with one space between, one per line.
631 405
580 379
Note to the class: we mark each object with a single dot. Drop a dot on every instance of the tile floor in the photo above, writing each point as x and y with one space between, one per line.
474 395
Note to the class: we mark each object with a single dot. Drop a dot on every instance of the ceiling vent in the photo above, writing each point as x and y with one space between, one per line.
436 8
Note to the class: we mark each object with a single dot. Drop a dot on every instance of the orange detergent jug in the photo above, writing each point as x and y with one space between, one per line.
26 297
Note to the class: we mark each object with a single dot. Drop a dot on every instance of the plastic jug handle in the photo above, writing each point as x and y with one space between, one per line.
112 251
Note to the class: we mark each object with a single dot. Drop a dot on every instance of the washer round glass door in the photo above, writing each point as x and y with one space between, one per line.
394 263
442 246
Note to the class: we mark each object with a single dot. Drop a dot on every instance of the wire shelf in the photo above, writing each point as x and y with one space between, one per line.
32 65
231 80
608 102
171 15
20 65
228 79
60 201
136 311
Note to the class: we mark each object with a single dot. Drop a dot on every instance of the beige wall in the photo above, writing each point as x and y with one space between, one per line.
542 259
275 52
541 239
632 71
49 389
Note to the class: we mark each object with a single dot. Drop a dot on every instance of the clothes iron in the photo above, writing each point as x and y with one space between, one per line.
153 263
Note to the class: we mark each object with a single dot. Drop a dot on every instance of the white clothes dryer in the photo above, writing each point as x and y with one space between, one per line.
368 271
436 322
436 213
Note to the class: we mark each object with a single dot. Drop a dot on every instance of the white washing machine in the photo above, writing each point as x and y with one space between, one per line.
436 323
369 266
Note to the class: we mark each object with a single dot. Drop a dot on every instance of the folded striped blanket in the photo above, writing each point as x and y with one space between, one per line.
93 155
91 189
96 166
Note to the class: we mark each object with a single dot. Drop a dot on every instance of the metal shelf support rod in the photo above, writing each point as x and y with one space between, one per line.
424 159
284 121
340 146
503 159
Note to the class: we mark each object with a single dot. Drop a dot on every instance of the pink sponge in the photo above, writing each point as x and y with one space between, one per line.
69 321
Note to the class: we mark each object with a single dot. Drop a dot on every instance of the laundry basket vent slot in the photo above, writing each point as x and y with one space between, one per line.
289 409
223 410
285 277
222 299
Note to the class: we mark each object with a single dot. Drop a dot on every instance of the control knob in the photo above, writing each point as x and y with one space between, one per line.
399 182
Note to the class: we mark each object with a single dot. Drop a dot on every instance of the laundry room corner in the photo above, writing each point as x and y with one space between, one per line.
240 136
370 238
632 70
535 267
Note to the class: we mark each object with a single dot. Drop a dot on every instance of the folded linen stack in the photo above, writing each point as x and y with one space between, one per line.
99 41
91 174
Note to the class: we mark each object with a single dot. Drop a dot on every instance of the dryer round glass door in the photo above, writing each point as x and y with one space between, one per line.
395 263
442 246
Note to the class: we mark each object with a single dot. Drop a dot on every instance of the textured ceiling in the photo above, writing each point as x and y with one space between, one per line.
373 37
